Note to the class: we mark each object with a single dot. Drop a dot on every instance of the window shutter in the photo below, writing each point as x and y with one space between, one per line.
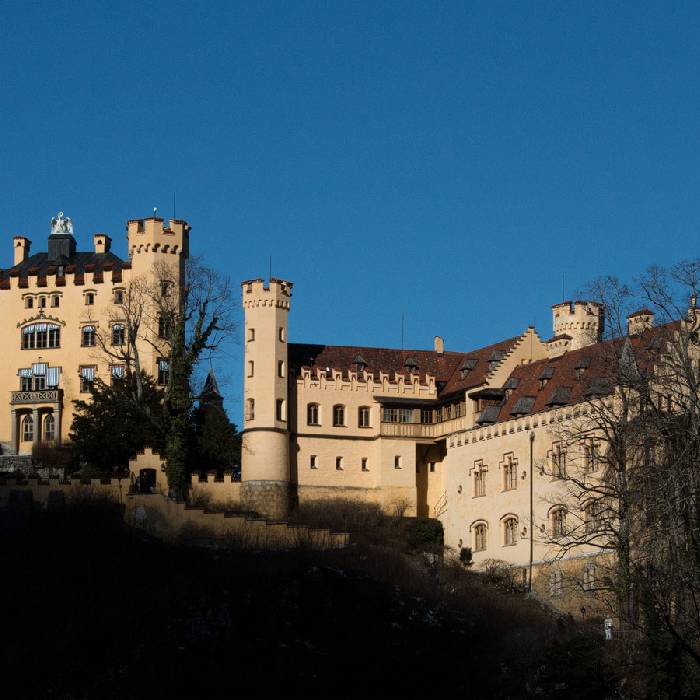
39 369
27 372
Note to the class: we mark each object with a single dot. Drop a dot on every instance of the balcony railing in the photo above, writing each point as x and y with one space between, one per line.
409 430
32 397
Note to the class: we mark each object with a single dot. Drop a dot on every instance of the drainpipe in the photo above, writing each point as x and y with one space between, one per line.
532 514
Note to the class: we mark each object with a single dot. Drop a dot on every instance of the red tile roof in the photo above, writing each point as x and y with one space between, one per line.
444 367
577 373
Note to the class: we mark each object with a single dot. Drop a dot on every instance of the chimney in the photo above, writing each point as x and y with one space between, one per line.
439 345
20 247
102 242
640 321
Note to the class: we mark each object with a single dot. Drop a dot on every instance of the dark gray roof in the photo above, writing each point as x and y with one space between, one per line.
523 406
497 356
547 373
598 386
560 396
512 383
489 415
39 263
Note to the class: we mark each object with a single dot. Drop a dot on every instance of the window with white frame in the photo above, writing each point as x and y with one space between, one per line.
88 336
40 336
163 371
87 378
118 334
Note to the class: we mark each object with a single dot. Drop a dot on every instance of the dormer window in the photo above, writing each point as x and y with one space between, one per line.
359 363
410 364
467 366
581 366
545 375
494 358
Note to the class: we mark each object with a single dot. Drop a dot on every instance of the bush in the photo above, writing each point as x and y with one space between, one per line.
465 556
424 531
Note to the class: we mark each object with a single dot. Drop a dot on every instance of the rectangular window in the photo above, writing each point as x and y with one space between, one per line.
397 415
280 410
480 482
163 371
426 415
280 368
118 296
55 301
117 373
365 464
338 416
42 339
39 383
397 462
164 327
312 414
339 463
118 334
250 409
363 417
432 466
313 462
251 368
25 383
251 335
87 378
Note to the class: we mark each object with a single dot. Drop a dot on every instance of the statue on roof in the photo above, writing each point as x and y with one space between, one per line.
61 224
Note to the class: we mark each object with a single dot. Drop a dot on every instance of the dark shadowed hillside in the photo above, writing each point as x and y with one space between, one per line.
94 610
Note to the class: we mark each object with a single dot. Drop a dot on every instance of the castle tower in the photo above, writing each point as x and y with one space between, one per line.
582 321
158 255
265 453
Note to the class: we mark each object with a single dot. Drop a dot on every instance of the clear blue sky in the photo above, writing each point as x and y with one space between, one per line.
445 160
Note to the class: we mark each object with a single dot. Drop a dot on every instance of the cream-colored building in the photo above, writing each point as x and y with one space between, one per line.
62 311
472 438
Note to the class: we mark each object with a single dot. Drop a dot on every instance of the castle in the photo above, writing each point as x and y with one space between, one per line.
65 314
470 437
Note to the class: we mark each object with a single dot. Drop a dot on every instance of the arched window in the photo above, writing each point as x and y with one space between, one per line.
88 337
558 516
510 531
480 537
49 428
118 334
27 429
312 414
338 415
40 336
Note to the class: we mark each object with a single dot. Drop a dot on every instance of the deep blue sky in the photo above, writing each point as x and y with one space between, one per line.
445 160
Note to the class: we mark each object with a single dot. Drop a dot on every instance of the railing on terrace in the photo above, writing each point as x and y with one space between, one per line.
32 397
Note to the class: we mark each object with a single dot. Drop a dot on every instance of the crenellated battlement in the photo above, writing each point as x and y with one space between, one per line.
61 276
276 293
348 380
151 236
582 320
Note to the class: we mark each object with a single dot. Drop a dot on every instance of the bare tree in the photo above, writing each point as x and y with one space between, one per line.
629 483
